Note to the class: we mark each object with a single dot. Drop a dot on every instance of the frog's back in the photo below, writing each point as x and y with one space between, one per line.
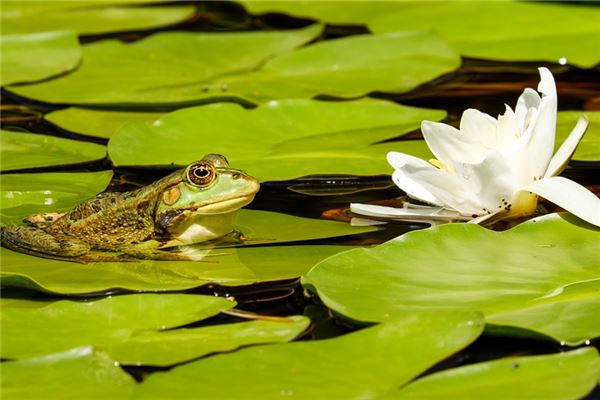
109 220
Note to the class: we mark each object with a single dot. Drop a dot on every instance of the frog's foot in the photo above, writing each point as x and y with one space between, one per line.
42 218
35 241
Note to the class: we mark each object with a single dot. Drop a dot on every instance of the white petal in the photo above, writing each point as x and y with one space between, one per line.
506 130
530 156
543 134
529 99
569 195
447 143
422 181
490 182
567 148
478 127
547 85
413 214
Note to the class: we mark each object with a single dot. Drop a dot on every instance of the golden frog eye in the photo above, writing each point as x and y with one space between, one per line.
201 174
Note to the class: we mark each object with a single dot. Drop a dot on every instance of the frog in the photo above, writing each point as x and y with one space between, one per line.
196 204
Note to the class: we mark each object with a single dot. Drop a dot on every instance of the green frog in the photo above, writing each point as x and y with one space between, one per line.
191 205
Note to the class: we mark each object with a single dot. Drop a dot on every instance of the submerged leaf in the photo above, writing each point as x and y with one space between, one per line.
464 266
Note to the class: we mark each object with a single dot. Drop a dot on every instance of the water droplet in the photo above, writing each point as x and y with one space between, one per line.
587 342
466 171
562 61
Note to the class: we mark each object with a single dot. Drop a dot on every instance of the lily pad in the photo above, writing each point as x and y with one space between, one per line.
505 30
25 194
86 17
177 67
98 123
496 30
569 375
134 329
82 373
356 12
250 68
231 267
281 140
589 147
29 150
32 57
465 266
355 366
67 324
179 345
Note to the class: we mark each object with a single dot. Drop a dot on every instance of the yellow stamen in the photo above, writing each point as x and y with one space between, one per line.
437 163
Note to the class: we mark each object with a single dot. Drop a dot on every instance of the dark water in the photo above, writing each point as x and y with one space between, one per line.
485 85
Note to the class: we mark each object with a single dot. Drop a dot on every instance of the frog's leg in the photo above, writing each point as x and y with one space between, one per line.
36 241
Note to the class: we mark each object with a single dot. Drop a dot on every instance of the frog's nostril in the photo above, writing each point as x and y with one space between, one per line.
236 175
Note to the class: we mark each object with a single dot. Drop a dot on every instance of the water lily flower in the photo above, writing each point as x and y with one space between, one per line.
492 168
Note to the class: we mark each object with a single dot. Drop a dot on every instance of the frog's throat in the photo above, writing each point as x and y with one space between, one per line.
201 228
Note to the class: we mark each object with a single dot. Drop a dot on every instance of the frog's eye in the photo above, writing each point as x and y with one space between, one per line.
201 174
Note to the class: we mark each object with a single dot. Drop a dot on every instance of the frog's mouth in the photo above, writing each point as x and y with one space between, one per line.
223 206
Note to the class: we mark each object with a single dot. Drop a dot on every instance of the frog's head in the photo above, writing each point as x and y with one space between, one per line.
201 200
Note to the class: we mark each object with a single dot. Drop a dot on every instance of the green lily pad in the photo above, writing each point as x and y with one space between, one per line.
179 345
350 67
32 57
355 366
29 150
570 375
466 266
495 30
133 329
86 17
305 136
356 12
82 373
177 67
231 267
24 194
505 30
253 67
589 147
67 324
97 123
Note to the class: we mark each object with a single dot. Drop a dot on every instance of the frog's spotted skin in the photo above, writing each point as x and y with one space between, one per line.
192 205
